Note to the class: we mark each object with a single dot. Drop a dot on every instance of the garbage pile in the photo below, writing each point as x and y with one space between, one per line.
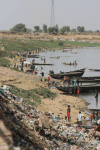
32 129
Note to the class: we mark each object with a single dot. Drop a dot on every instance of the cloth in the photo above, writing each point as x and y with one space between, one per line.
92 117
68 114
74 82
80 117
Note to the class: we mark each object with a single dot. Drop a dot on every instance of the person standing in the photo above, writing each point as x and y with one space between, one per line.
75 91
78 91
68 113
80 115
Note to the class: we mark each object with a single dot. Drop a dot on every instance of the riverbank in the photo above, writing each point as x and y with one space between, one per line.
57 104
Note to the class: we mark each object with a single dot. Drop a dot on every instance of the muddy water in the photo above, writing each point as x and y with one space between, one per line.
86 57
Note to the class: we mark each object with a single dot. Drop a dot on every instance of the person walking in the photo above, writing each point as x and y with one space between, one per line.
80 115
68 113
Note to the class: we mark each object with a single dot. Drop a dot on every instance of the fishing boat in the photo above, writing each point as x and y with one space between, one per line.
42 64
32 56
94 69
74 52
69 63
67 49
55 57
61 72
90 78
83 88
68 74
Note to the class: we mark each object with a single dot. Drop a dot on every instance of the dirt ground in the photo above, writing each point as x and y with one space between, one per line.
58 105
72 36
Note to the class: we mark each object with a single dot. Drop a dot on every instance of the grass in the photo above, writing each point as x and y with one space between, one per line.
46 93
32 97
4 62
85 44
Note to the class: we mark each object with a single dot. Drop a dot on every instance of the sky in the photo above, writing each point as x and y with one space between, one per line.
71 13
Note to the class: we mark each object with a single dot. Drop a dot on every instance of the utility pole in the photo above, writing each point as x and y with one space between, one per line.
52 22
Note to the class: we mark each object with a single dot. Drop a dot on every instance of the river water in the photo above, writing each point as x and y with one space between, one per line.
85 58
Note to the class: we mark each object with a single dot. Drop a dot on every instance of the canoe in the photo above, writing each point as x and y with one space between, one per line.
55 57
69 63
74 52
69 74
83 88
33 56
90 78
61 72
67 49
41 64
94 69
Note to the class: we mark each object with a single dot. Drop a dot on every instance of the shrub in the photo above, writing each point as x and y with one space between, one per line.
60 43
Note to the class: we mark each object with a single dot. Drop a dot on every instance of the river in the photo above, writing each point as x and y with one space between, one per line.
85 58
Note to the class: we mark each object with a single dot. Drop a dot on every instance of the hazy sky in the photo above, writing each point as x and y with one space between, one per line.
71 13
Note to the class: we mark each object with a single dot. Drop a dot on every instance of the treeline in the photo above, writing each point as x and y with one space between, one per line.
21 28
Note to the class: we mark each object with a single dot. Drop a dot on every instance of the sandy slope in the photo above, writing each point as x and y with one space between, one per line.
57 105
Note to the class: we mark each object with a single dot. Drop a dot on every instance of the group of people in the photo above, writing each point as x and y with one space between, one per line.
79 119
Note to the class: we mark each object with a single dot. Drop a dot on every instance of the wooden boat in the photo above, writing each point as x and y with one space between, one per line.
74 52
83 88
55 57
94 69
69 63
67 49
68 74
61 72
33 56
90 78
42 64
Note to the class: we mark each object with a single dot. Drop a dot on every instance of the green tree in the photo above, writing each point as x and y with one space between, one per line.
73 30
80 29
65 29
37 28
53 30
19 28
44 28
97 31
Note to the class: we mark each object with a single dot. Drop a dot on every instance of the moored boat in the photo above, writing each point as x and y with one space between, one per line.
69 63
68 74
94 69
74 52
83 88
67 49
55 57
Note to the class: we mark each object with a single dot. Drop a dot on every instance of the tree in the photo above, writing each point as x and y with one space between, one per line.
64 29
80 29
53 30
44 28
97 30
37 28
73 30
19 28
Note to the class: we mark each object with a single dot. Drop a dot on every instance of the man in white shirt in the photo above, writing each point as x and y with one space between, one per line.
80 115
